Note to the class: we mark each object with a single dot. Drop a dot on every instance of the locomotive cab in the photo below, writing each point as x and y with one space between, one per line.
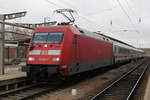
44 53
45 48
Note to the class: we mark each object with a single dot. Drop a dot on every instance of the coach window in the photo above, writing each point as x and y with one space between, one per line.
74 40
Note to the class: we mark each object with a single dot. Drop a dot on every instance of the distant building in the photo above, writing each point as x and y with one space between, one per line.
15 46
146 51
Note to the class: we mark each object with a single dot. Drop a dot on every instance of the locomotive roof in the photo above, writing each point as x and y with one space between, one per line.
113 40
83 30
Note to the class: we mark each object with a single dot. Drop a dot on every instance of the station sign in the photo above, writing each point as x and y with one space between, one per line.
11 45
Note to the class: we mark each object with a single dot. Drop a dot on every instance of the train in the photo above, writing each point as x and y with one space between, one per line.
67 50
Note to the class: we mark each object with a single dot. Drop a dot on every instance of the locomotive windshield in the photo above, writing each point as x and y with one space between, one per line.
40 37
50 37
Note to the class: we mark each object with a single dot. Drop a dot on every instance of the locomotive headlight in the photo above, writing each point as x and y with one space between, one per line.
45 46
31 59
55 59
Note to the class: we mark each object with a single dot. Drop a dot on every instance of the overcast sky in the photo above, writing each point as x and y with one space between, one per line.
94 15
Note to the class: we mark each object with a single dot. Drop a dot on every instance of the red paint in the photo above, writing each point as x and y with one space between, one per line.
86 49
64 70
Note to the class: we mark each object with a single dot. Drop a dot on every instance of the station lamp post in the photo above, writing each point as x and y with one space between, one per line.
4 17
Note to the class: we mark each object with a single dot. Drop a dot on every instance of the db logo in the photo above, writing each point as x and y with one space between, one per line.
44 52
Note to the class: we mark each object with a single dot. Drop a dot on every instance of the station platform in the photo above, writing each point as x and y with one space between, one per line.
12 72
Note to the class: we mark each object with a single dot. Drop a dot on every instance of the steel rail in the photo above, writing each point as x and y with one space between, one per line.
40 92
133 89
12 84
17 90
27 92
111 85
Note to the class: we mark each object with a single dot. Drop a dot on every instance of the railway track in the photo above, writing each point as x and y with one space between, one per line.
33 90
11 84
124 87
27 92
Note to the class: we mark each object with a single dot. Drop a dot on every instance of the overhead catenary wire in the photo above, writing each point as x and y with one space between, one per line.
83 17
96 13
139 18
56 5
99 27
87 19
101 11
130 8
68 4
130 20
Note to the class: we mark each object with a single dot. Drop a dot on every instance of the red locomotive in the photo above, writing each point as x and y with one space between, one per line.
66 50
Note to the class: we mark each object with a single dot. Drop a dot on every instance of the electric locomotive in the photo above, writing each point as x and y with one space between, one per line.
65 50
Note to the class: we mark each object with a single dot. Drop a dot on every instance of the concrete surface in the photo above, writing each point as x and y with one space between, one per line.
11 72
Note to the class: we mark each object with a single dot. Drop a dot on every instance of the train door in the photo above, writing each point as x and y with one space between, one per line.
74 42
114 52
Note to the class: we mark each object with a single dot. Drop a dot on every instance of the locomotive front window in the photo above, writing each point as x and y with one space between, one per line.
55 37
40 38
50 37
